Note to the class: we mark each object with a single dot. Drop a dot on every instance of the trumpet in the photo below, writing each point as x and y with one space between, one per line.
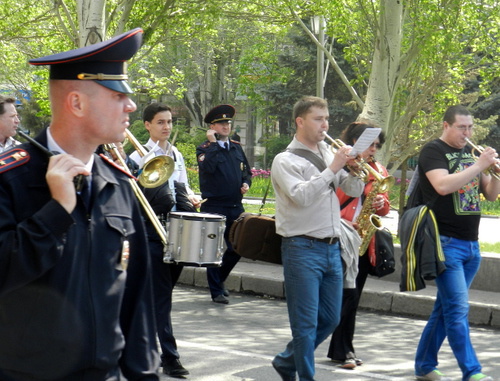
363 169
368 221
157 170
492 170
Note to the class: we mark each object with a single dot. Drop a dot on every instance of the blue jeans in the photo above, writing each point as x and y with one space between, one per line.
313 284
449 317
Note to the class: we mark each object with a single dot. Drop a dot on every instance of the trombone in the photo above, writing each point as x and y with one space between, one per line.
155 171
140 196
363 169
490 170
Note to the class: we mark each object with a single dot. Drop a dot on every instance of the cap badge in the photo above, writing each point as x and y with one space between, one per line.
102 76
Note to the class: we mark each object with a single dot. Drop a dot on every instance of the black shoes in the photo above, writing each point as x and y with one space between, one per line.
174 368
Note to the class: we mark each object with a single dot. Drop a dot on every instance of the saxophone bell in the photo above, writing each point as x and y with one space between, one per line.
368 221
367 230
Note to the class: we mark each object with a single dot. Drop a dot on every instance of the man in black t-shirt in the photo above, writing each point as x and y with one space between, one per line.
458 214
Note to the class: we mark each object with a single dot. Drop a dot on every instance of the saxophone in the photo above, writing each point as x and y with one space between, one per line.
368 222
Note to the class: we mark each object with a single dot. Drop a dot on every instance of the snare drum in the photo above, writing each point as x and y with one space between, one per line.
195 239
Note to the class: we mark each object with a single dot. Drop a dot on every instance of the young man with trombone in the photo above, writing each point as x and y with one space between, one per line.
455 199
157 118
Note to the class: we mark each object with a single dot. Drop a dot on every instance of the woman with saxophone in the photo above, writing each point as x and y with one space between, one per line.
353 210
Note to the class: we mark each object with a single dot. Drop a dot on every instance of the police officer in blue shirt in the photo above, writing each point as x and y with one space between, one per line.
225 176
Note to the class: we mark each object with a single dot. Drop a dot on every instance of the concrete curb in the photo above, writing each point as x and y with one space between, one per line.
379 295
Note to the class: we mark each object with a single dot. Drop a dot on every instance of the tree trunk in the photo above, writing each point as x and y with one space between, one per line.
91 20
250 135
383 80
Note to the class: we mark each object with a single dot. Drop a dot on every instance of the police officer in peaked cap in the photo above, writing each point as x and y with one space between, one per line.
75 296
225 176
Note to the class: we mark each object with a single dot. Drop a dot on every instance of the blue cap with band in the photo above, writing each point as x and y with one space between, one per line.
104 62
219 114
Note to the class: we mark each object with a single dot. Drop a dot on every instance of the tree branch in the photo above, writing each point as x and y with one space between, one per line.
332 60
72 35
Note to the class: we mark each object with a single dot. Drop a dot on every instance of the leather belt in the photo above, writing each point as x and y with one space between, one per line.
328 240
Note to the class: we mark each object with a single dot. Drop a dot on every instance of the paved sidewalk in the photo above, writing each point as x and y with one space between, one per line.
263 278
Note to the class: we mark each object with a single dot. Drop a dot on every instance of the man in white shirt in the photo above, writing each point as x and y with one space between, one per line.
157 119
308 219
9 120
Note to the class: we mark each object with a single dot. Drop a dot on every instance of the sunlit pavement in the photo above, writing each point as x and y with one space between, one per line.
238 341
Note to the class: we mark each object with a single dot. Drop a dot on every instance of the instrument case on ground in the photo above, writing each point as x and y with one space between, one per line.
254 236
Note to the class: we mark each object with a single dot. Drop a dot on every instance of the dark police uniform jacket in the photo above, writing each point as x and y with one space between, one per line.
68 309
222 172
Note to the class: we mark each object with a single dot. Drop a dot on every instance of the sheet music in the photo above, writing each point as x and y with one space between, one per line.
365 140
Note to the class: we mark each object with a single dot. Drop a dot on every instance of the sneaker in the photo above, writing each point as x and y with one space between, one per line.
348 364
225 293
284 376
358 361
480 377
435 375
221 299
174 368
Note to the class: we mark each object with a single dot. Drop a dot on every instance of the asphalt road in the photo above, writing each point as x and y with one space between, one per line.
237 342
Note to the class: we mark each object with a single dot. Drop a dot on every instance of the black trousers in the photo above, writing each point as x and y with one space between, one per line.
341 344
217 275
165 276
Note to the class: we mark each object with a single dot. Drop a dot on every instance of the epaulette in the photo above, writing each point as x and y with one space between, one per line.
13 158
114 165
206 144
235 141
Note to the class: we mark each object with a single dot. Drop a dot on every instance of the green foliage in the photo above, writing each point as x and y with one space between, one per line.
268 209
200 53
261 181
274 145
490 208
31 120
188 151
140 133
487 247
